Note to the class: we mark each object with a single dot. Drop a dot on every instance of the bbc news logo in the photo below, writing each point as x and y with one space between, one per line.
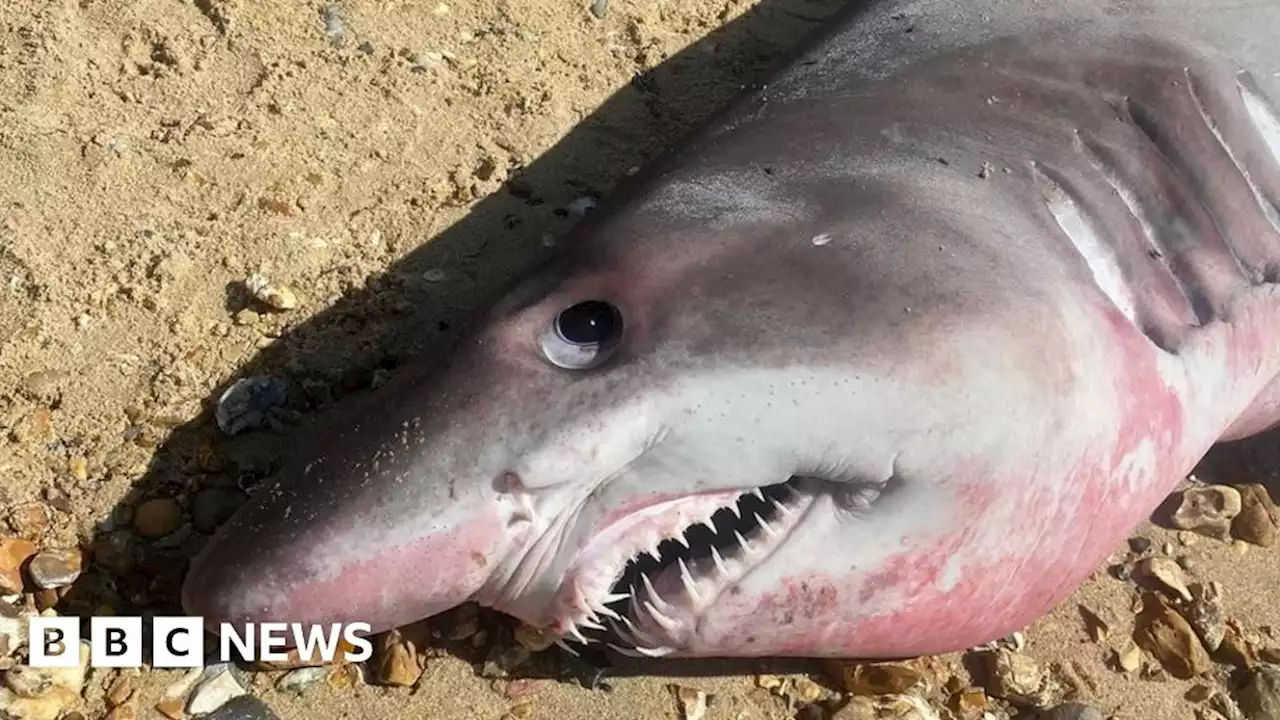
178 642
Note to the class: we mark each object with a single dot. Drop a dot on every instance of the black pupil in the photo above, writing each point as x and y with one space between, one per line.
588 322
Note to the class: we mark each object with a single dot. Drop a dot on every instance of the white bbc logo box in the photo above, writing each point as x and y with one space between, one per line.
116 642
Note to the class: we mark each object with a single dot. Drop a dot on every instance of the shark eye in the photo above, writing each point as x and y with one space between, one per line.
583 336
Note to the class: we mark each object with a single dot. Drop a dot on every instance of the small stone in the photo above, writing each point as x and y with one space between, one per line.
1073 711
157 517
78 466
1129 657
1164 633
301 680
399 656
1199 693
1236 649
1260 697
434 275
13 628
218 688
124 711
49 706
582 206
693 702
1256 522
14 554
246 317
1187 538
121 690
243 707
599 8
244 405
213 506
31 682
30 521
1206 615
887 707
1019 679
52 569
170 708
276 297
1208 510
970 702
882 679
1139 545
533 638
1167 574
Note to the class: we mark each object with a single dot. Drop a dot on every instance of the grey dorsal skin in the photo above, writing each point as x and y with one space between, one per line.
900 346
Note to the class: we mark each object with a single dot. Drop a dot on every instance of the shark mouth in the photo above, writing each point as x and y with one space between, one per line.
641 584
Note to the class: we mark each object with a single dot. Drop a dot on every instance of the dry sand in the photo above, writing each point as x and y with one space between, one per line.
393 163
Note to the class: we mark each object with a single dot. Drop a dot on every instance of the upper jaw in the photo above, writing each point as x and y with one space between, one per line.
641 584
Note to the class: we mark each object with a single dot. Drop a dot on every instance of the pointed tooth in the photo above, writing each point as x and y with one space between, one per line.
768 529
653 594
746 546
625 651
759 495
719 561
576 634
613 598
782 509
565 646
590 622
655 652
607 612
689 584
733 508
668 624
683 541
710 522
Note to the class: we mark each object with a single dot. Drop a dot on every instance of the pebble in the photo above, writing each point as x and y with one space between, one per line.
1019 679
1129 657
301 680
1073 711
14 553
244 405
213 506
157 517
1161 631
1256 522
1167 573
883 679
1208 510
243 707
399 657
1139 545
886 707
13 628
1259 699
599 8
530 637
218 687
276 297
1206 615
692 701
582 206
52 569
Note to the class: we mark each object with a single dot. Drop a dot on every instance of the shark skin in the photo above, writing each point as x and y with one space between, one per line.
882 361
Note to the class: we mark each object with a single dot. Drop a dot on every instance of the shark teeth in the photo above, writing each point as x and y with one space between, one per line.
641 622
